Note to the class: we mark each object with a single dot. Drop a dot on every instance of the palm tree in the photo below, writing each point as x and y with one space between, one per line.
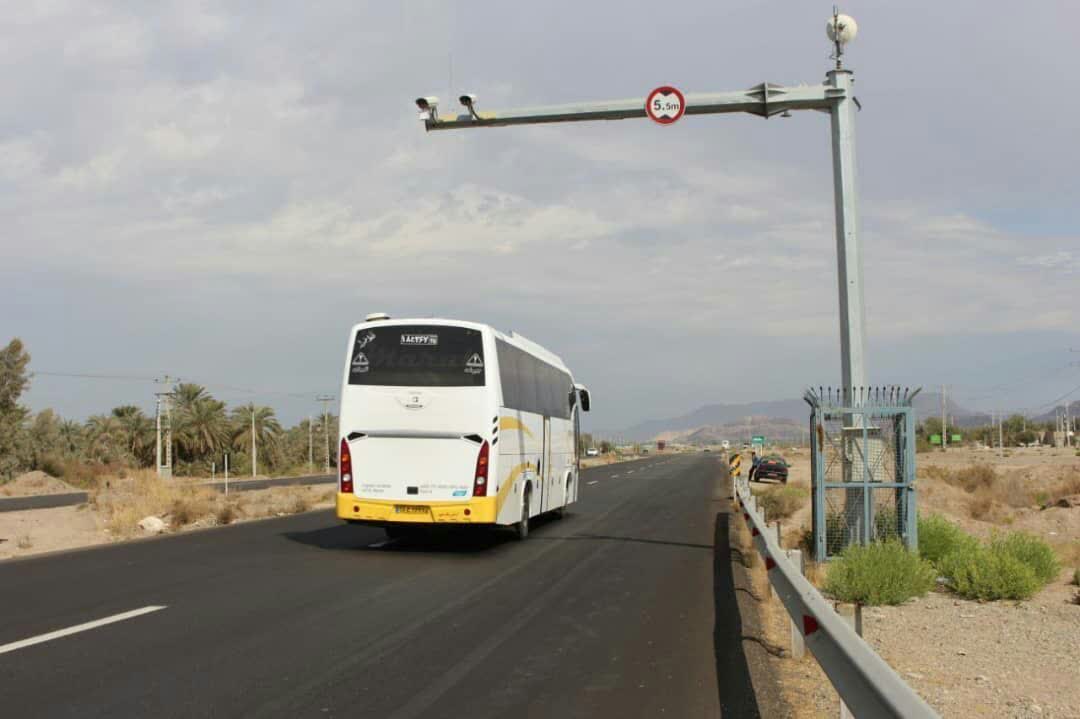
71 436
104 437
266 426
138 433
186 394
201 427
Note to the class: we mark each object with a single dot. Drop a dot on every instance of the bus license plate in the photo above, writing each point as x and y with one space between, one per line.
410 509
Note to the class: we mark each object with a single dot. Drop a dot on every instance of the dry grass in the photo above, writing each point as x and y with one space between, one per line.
1067 484
994 494
227 514
183 504
123 502
783 501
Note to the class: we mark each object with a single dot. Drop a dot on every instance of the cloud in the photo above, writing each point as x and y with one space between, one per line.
197 147
1064 261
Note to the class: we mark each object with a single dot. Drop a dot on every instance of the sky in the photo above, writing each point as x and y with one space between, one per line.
218 191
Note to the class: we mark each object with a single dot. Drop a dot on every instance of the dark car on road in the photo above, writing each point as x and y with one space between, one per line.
771 466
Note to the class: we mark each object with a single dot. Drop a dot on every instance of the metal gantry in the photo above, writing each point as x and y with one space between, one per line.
835 96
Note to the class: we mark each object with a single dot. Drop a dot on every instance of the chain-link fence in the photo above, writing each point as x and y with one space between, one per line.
863 467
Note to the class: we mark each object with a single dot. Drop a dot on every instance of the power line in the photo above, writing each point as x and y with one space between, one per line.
209 385
1073 391
94 376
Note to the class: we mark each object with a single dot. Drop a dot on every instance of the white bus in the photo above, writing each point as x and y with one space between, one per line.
455 423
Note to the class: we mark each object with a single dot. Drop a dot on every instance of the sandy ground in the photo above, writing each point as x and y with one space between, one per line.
112 516
970 659
48 530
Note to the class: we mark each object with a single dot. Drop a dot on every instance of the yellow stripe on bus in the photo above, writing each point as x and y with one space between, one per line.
513 423
504 491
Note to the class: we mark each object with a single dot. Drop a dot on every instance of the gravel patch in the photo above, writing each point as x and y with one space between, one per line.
993 659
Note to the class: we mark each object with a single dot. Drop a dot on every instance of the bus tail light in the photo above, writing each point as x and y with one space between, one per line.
345 467
481 475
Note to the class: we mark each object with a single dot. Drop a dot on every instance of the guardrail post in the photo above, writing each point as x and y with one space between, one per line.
798 643
772 527
852 615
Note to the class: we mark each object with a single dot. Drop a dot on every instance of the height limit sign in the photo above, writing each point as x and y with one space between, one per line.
665 105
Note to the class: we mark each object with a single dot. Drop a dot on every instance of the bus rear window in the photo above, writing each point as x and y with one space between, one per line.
417 356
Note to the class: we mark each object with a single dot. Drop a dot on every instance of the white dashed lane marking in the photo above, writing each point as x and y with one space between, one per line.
23 643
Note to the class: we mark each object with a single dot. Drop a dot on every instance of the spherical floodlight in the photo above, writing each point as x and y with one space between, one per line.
427 103
467 100
841 29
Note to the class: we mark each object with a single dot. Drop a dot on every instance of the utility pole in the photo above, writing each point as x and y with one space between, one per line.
310 445
1068 423
1001 435
326 399
163 401
944 431
254 449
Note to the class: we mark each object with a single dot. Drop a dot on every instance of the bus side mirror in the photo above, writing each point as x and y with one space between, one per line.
583 396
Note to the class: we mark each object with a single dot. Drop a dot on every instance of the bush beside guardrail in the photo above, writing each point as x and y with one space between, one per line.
867 685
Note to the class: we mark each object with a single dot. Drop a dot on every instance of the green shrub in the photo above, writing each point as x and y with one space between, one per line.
52 465
836 536
987 574
780 502
1032 552
879 573
886 525
938 538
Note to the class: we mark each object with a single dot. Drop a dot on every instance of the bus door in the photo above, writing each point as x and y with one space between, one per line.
546 474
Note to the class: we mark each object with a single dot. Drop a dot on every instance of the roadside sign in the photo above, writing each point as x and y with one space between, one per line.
955 438
759 439
935 439
665 105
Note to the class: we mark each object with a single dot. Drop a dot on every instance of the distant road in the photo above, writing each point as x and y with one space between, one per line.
623 609
241 484
47 501
42 501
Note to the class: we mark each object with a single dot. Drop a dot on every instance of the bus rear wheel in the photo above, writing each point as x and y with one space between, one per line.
521 528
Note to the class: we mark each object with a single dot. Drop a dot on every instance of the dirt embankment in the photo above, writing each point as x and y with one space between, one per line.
977 659
34 483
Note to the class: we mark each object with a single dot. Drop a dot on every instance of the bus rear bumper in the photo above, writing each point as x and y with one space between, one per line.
480 510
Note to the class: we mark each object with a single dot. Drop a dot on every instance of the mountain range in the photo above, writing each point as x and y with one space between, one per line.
785 418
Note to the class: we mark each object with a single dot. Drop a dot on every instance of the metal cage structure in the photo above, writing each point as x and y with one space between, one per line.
862 467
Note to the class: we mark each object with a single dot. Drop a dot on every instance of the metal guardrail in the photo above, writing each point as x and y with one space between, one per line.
867 685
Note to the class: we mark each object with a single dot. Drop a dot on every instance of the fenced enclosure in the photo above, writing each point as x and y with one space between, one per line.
862 467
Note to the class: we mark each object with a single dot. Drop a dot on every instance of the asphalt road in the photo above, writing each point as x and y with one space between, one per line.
43 501
625 608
